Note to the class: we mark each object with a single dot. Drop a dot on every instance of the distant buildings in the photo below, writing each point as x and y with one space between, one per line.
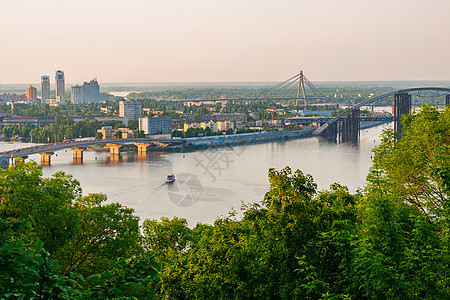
214 126
89 92
107 132
60 86
32 94
45 87
130 109
18 98
76 96
156 125
232 117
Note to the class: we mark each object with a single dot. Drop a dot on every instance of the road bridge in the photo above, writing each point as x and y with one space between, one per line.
114 145
346 124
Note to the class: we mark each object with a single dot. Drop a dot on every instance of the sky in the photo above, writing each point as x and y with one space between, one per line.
224 40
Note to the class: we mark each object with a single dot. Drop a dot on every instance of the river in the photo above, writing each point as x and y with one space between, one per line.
212 182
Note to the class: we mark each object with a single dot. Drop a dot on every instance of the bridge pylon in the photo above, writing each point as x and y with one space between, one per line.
301 88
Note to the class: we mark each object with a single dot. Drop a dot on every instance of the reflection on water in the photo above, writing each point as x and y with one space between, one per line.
213 181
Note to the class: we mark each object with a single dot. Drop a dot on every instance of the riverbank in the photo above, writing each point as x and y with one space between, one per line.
246 138
370 124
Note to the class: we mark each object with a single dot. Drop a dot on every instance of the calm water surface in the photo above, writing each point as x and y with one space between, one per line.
212 182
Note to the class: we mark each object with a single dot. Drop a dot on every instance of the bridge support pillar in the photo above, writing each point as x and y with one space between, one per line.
447 100
349 129
402 106
45 158
331 132
78 153
114 149
142 147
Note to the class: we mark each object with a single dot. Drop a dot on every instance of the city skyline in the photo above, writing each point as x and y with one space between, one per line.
232 41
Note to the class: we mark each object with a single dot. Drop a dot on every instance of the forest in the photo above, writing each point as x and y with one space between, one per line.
389 240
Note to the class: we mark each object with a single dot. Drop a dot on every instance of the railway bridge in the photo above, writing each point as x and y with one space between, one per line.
345 126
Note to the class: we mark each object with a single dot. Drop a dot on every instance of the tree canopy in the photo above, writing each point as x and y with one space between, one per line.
390 240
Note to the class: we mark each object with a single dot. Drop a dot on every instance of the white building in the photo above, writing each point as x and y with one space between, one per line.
156 125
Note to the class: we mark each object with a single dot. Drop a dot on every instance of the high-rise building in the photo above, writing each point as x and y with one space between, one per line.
45 87
156 125
32 93
76 97
60 86
87 93
91 91
130 109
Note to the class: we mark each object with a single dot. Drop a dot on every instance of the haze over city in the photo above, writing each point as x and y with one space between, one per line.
224 41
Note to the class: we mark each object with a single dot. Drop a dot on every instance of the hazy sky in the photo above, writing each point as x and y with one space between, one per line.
224 40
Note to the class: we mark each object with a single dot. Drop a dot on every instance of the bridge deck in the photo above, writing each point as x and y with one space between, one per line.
61 146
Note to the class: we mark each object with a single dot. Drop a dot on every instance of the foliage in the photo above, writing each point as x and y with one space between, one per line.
62 130
82 236
388 241
412 166
26 271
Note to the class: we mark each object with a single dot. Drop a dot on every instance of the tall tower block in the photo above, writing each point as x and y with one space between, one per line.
45 88
60 86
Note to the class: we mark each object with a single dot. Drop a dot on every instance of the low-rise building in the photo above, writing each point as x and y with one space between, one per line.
233 117
224 126
127 133
211 125
214 126
112 119
107 132
191 125
21 121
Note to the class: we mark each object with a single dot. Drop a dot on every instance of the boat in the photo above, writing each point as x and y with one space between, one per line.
170 178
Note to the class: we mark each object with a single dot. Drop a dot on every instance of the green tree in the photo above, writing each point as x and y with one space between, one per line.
139 134
411 165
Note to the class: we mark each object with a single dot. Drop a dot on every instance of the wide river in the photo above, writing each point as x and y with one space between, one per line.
210 183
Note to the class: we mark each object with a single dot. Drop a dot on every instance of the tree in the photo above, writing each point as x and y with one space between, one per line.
402 245
98 135
139 134
26 270
118 134
295 244
412 165
108 231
